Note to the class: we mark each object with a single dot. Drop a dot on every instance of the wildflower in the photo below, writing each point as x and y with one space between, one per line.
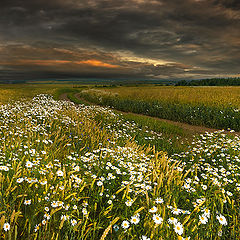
84 211
6 227
229 193
75 207
222 220
188 180
67 207
125 224
44 222
5 168
201 200
159 200
102 178
178 228
135 220
36 228
172 220
59 173
44 182
99 183
65 217
157 219
153 209
144 238
27 202
19 180
29 164
73 222
47 216
129 202
203 219
54 204
148 187
206 212
176 211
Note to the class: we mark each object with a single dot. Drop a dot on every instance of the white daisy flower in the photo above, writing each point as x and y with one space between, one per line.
153 209
144 238
176 211
99 183
125 224
157 219
222 220
84 211
135 220
27 202
73 222
59 173
173 220
6 227
29 164
203 219
178 228
159 200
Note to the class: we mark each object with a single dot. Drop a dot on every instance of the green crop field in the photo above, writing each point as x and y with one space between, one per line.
83 171
214 107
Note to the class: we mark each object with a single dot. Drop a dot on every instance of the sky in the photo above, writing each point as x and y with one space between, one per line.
119 39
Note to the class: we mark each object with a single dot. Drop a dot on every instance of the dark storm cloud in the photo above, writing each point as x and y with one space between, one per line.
134 38
233 4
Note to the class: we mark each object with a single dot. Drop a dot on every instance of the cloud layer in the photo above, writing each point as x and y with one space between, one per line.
146 39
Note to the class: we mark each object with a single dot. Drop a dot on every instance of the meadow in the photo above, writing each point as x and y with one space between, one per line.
80 171
215 107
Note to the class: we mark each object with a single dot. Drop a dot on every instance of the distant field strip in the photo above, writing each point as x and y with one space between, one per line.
10 92
227 96
218 110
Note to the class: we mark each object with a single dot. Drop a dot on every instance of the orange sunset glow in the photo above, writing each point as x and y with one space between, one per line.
91 62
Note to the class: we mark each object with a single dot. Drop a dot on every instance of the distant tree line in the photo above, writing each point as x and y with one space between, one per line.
211 82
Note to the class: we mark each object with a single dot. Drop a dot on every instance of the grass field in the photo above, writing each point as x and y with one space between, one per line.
11 92
216 107
217 96
88 172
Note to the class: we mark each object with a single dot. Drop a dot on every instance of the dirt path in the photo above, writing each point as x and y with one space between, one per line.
64 97
184 126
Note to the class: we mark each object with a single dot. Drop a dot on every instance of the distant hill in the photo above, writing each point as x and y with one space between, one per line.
211 82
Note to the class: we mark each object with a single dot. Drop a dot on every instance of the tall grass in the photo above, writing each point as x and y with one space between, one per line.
144 130
74 172
213 96
221 117
9 92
